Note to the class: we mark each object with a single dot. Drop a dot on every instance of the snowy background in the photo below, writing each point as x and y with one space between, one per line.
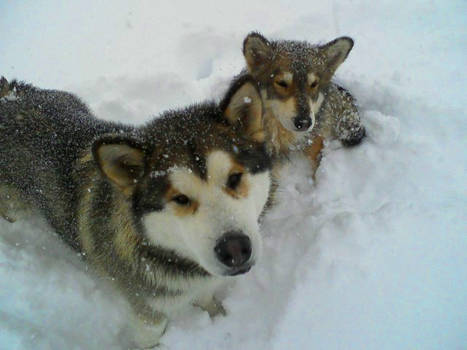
371 256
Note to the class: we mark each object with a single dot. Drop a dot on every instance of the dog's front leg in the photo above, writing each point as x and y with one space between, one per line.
210 304
313 152
148 331
349 128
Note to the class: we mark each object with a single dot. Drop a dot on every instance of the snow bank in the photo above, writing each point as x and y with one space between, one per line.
370 256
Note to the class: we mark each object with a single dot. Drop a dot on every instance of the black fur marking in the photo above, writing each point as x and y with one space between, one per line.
303 107
355 139
171 262
198 160
256 160
149 196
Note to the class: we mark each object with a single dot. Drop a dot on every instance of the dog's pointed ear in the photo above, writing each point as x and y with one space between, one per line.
335 52
257 51
242 108
121 159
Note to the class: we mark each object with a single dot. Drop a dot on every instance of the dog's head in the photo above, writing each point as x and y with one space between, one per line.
291 75
199 181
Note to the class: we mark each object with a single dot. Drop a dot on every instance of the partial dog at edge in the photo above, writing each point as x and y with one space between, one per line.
168 210
302 105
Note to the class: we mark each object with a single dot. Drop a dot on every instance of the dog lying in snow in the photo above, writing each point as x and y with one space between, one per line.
302 105
167 211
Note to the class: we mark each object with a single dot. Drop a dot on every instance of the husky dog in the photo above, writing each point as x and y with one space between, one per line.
302 105
167 211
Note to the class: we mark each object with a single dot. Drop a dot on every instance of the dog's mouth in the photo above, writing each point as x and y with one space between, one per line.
239 270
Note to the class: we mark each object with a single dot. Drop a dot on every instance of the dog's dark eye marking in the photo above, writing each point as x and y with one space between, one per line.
234 180
181 199
314 84
282 83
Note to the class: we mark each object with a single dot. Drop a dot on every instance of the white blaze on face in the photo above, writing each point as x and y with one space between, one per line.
287 77
314 109
194 235
312 78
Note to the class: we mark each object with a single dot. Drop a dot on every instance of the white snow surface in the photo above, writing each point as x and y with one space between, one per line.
372 255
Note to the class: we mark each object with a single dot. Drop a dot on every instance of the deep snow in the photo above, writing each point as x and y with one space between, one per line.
371 256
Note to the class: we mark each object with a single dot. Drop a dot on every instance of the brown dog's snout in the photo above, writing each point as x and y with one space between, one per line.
302 123
233 249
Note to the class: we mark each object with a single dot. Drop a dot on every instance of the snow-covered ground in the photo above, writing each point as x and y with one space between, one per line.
371 256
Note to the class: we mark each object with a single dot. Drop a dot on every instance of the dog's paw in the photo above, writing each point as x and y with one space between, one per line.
350 130
355 138
212 306
146 335
7 217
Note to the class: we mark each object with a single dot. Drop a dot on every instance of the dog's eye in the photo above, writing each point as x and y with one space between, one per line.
314 84
234 180
282 83
181 199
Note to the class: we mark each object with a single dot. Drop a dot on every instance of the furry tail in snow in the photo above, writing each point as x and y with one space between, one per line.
4 87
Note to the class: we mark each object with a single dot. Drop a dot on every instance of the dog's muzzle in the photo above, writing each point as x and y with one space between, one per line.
233 250
302 123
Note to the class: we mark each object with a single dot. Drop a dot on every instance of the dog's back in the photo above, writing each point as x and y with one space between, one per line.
38 163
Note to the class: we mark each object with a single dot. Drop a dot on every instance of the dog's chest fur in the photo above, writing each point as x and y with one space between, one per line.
279 139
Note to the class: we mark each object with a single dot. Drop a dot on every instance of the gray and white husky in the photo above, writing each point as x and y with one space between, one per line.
168 210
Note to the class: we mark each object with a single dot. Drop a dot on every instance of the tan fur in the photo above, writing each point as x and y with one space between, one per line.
84 204
236 111
86 239
12 205
313 152
180 210
281 78
4 87
280 139
242 190
111 161
282 107
126 240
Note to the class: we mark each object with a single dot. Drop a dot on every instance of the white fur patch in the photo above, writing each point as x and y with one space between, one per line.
312 77
314 109
287 77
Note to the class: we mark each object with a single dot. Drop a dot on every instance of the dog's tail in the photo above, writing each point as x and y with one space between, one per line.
9 89
4 87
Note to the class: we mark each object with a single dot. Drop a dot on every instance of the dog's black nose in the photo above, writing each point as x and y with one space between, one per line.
233 249
302 123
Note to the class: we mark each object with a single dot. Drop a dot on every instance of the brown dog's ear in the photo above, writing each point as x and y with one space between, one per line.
257 51
121 160
336 52
242 108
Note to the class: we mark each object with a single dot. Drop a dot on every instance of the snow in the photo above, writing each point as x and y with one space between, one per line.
372 255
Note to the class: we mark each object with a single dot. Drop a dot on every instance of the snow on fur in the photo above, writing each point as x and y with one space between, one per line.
371 255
